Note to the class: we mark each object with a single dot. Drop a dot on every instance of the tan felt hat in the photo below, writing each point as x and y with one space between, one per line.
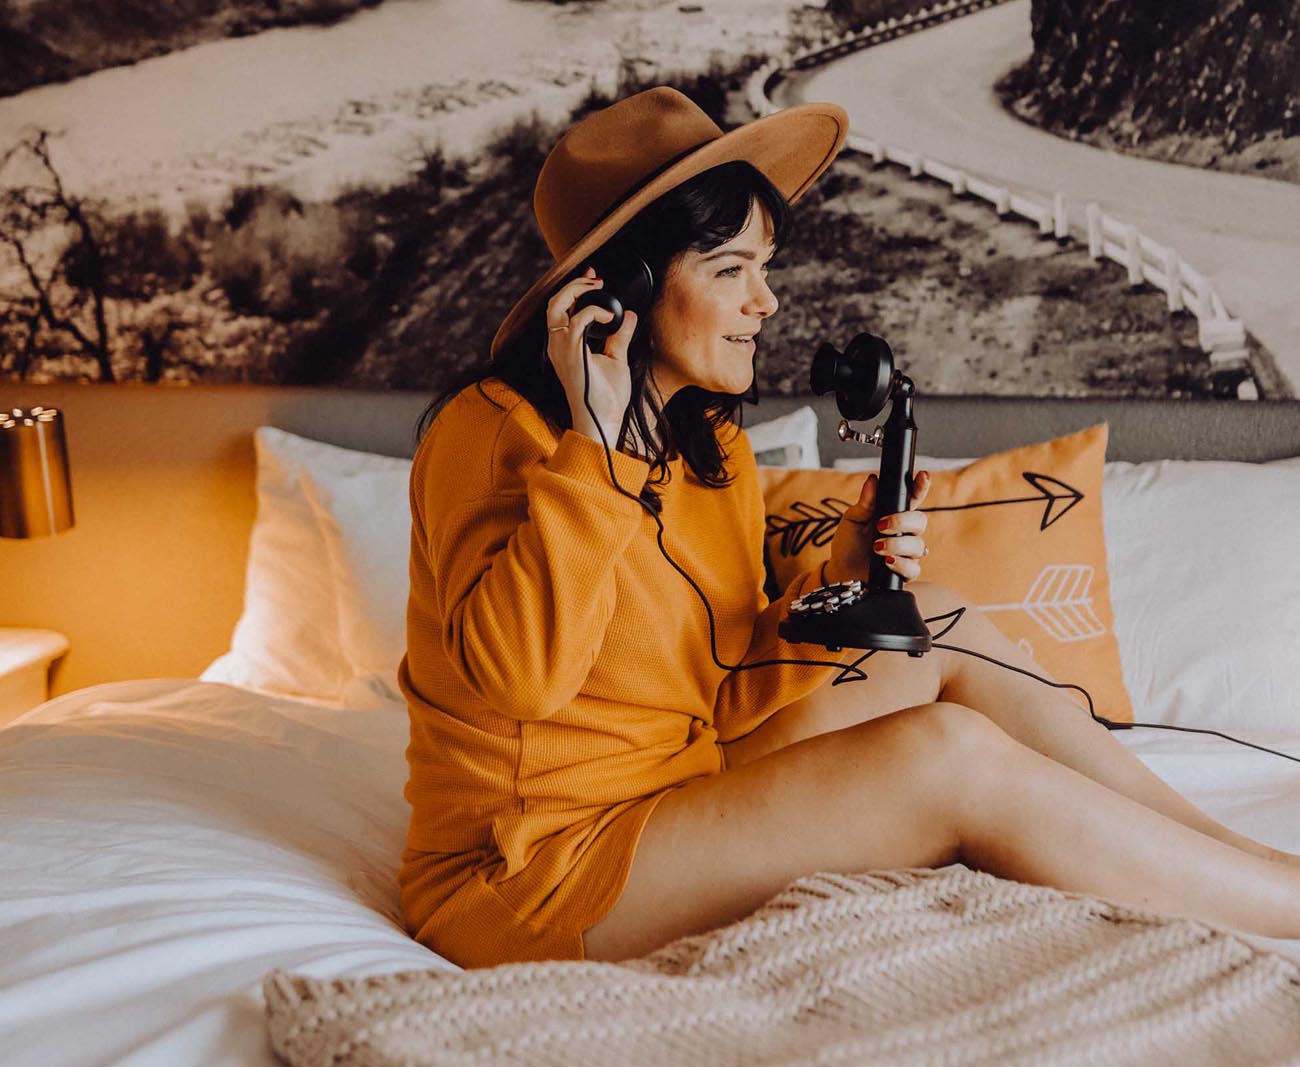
615 161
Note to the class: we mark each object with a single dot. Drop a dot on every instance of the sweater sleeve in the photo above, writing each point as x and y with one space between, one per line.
747 697
524 573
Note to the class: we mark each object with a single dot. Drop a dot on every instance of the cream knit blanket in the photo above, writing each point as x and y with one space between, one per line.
897 968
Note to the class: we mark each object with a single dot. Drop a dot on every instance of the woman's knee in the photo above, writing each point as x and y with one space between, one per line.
942 758
950 736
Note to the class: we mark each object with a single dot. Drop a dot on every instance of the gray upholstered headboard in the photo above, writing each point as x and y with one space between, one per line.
947 426
1139 429
149 582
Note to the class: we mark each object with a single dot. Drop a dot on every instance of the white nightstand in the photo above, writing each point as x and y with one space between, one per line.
25 658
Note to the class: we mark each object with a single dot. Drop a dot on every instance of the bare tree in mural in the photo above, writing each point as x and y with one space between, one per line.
68 298
72 269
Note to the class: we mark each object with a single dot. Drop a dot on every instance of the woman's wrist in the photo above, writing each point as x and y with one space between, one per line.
588 427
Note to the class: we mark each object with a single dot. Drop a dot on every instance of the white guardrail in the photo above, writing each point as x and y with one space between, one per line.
1220 335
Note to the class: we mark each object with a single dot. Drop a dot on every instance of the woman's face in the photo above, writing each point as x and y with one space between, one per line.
710 310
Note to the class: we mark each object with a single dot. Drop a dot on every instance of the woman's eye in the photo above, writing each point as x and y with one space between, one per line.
731 272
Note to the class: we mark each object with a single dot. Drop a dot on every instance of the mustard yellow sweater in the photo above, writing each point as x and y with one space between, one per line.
557 665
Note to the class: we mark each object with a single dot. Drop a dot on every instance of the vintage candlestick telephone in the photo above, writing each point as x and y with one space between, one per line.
882 615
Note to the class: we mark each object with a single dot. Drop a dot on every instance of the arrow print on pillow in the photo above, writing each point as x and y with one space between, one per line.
1060 601
1057 497
816 525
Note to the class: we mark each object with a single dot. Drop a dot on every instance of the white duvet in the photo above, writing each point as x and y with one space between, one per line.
166 843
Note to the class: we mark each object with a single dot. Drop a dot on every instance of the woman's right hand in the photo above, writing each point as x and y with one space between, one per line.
610 390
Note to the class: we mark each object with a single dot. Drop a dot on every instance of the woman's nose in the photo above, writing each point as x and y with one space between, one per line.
762 301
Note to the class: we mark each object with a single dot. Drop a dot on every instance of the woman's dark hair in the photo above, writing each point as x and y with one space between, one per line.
702 213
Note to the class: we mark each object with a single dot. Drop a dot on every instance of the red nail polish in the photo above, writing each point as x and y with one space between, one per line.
878 545
889 559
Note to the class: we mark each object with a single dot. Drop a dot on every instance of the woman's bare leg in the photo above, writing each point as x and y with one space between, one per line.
923 787
1045 719
1050 722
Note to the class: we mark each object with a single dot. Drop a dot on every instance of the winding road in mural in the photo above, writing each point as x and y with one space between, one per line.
311 106
1242 232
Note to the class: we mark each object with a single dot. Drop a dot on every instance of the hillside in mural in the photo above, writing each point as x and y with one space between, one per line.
403 287
1204 82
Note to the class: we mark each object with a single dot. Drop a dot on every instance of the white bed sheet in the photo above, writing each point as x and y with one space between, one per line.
165 843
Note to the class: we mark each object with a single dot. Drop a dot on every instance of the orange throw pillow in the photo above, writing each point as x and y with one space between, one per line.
1018 534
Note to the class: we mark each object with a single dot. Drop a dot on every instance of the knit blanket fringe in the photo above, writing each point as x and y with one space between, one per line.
909 967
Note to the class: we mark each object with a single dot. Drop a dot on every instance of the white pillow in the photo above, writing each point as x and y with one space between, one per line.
1205 584
787 441
362 503
287 638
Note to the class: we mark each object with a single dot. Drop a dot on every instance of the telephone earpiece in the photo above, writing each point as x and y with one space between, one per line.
629 285
598 331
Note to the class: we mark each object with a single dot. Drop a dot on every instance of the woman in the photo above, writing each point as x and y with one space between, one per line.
588 779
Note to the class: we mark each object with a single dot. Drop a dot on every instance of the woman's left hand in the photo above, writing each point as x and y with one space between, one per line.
897 537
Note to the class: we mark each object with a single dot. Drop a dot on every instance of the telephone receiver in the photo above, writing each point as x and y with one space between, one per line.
629 284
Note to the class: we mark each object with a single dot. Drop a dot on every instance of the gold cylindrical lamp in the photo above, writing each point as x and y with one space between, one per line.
35 486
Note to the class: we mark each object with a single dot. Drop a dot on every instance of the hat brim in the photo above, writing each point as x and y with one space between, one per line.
790 147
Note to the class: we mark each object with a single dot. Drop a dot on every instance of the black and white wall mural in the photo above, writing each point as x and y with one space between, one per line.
1039 198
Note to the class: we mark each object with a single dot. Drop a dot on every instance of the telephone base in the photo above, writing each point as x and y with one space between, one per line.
845 615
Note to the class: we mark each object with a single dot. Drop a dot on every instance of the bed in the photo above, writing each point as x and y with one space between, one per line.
168 842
